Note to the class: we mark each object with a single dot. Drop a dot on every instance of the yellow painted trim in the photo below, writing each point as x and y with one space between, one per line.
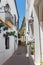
8 23
1 19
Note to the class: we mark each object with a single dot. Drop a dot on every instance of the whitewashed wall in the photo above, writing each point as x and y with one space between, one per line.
41 26
5 54
2 3
37 36
13 7
16 44
13 42
10 51
41 33
2 48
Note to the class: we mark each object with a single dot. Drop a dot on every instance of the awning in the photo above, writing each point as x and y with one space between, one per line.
8 23
1 20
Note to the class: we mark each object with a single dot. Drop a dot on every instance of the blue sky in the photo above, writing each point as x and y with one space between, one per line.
21 10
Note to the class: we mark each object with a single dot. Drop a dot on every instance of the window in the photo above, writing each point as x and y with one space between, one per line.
7 43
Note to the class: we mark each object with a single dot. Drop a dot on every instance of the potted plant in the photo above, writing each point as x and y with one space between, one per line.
9 34
15 36
5 35
41 63
5 28
32 49
1 25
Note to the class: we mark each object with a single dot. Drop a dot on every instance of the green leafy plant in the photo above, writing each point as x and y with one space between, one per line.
9 34
19 36
1 25
5 35
15 35
5 28
32 49
41 63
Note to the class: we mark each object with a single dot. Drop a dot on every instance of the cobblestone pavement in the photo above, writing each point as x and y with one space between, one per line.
19 58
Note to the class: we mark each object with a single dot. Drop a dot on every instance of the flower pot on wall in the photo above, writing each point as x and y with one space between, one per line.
5 28
9 34
1 25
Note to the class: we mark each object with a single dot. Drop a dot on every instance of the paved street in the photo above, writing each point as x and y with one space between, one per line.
19 58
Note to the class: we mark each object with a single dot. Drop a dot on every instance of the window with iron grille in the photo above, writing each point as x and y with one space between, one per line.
7 43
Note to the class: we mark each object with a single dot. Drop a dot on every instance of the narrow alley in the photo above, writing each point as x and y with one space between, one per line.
19 58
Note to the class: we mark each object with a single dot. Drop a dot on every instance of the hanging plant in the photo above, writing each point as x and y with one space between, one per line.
5 35
15 36
9 34
5 28
1 25
12 33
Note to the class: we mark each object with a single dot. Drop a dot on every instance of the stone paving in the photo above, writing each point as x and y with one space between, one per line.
19 58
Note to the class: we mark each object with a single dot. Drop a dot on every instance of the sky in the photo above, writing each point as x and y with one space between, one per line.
21 10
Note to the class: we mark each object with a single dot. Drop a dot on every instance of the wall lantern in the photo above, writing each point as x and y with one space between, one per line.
7 7
31 20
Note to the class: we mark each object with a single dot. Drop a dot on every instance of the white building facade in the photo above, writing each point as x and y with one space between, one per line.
9 17
35 7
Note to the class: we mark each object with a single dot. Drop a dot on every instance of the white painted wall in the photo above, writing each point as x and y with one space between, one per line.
37 37
41 26
2 14
41 33
16 44
2 48
10 51
5 54
2 3
13 42
13 7
29 8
